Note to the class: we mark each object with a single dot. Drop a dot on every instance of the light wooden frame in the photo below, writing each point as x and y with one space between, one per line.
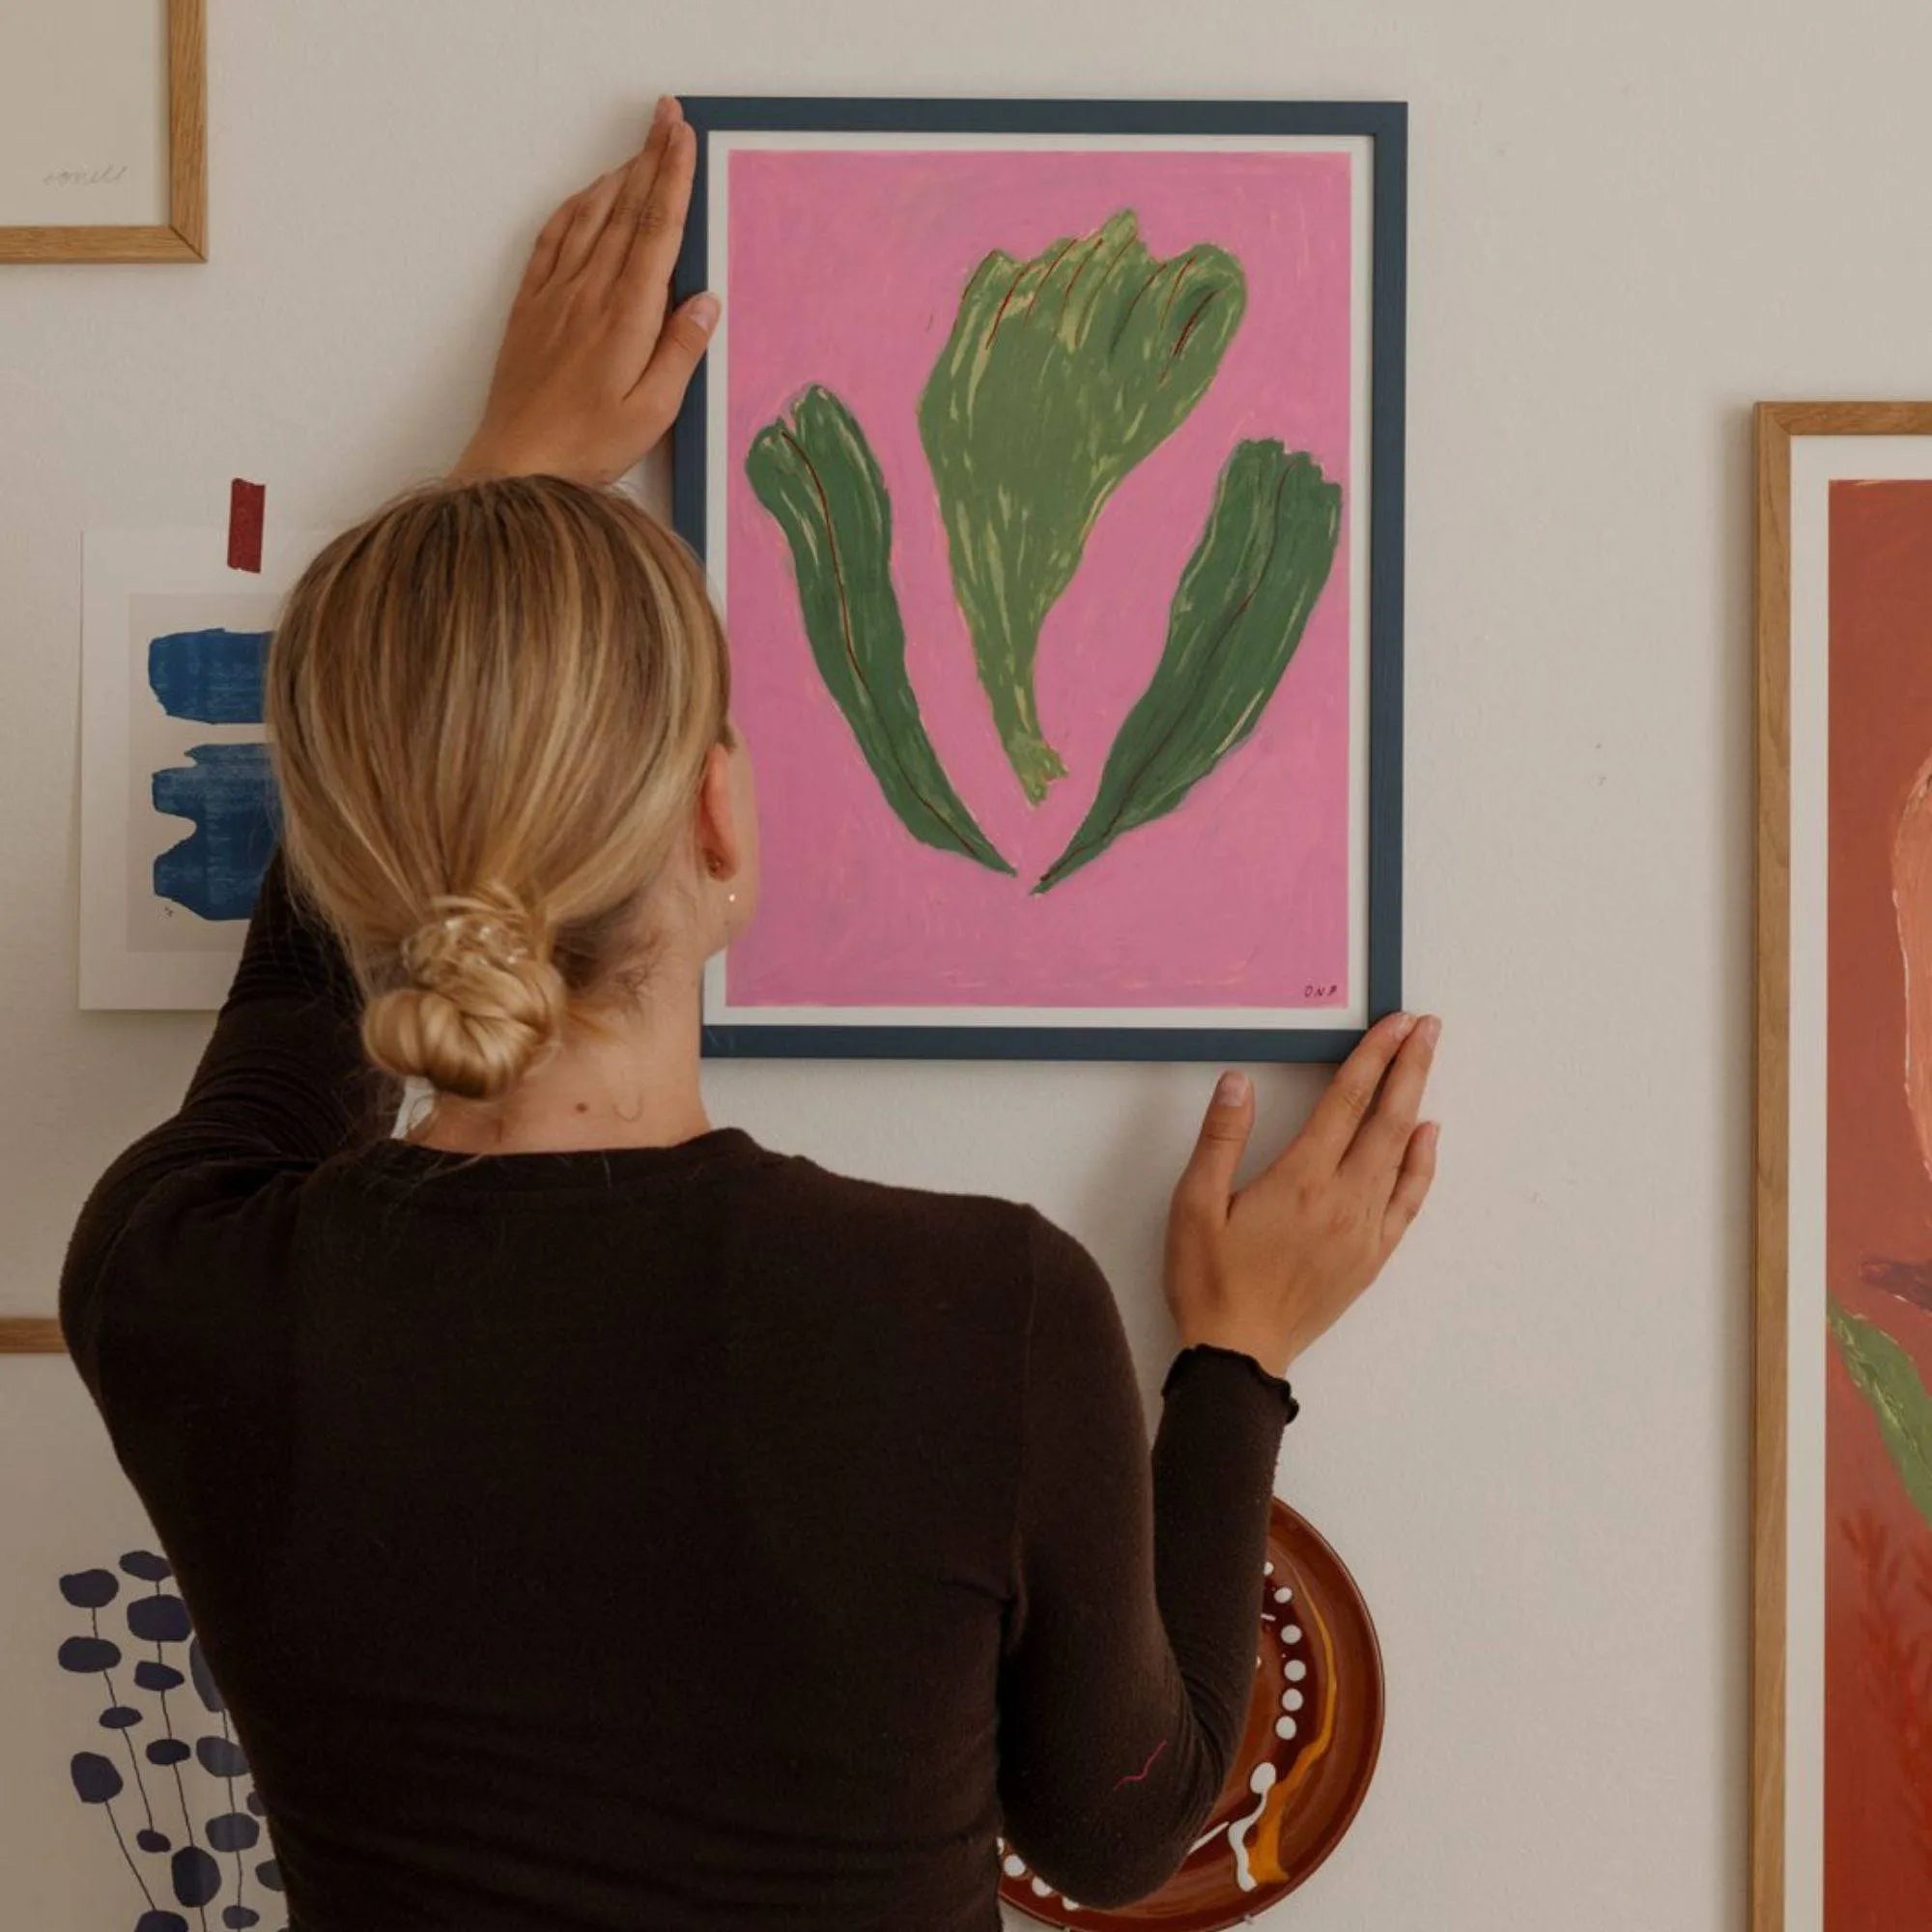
184 236
1777 424
30 1335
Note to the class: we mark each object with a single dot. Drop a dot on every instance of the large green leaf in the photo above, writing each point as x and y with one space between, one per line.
1887 1379
1237 617
1061 374
816 475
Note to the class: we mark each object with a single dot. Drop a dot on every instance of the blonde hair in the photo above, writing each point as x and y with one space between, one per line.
491 706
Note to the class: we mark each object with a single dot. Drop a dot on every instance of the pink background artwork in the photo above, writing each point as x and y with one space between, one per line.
846 269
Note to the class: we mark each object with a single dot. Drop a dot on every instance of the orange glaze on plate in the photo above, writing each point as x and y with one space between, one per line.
1303 1766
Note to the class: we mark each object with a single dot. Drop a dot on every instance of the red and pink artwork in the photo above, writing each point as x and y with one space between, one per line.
1878 1417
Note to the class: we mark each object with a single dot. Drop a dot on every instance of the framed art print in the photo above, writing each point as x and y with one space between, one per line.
1842 1460
1047 465
177 811
103 119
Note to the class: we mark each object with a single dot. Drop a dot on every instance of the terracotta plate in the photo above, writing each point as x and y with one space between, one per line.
1315 1726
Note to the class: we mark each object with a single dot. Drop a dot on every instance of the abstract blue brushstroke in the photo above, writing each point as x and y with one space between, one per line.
214 676
229 793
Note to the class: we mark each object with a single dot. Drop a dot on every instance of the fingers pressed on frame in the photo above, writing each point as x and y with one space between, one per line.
680 348
659 230
1340 1112
593 214
636 195
1412 1182
1383 1137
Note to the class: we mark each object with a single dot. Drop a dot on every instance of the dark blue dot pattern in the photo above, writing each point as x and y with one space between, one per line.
233 1832
159 1619
196 1877
205 1685
95 1781
220 1757
89 1653
177 1817
90 1589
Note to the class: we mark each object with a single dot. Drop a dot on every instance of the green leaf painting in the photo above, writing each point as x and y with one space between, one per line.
1241 609
1887 1379
814 471
1061 373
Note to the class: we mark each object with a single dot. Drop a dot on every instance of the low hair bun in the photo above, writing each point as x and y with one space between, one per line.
481 1001
506 691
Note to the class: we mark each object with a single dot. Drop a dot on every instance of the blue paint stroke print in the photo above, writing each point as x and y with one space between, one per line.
228 793
212 676
189 1853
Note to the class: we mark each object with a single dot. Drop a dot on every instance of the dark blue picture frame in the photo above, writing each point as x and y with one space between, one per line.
1385 124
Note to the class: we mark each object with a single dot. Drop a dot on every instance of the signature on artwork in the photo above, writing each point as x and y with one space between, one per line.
102 177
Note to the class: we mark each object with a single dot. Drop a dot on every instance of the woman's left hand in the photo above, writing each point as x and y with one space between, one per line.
595 361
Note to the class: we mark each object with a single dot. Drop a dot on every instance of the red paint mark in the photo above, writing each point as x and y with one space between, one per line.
246 504
1181 276
1134 1778
1064 247
1188 328
999 315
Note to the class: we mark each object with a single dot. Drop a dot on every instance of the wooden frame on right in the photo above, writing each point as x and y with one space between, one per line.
1841 1674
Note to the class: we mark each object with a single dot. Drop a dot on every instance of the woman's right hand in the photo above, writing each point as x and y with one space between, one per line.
595 360
1267 1269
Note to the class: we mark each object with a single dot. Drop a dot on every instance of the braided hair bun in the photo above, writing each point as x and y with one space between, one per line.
492 706
483 1001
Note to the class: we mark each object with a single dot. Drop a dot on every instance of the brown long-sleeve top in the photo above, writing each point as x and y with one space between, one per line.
663 1538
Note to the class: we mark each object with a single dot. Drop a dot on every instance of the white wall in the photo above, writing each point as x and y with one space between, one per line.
1628 222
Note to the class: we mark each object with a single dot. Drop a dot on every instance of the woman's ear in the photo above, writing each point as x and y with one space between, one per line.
720 837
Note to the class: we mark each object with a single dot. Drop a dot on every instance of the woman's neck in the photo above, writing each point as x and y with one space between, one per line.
627 1076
